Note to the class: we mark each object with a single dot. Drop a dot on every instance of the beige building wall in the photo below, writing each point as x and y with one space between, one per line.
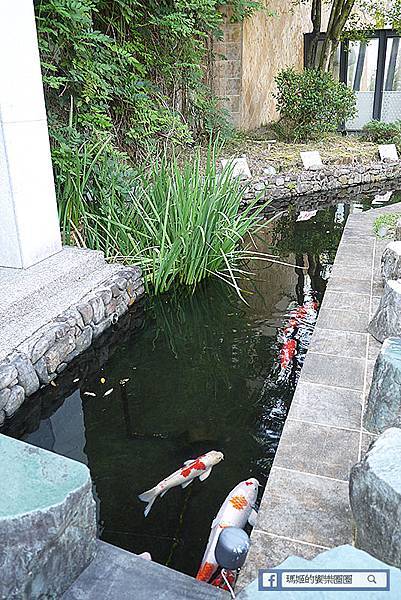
269 44
251 54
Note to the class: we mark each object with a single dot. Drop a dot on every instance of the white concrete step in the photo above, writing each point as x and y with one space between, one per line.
36 306
71 262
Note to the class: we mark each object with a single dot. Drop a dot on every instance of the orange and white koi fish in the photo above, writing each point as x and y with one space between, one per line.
200 467
235 511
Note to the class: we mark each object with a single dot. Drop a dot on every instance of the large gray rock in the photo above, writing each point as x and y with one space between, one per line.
27 376
391 262
375 496
47 521
7 374
384 401
387 320
15 400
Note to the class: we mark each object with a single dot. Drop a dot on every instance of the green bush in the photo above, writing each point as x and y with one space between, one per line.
383 133
311 104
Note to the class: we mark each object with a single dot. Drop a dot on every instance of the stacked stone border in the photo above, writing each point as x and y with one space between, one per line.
320 179
44 355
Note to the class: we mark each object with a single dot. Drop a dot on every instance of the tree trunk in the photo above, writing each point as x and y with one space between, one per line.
316 17
340 12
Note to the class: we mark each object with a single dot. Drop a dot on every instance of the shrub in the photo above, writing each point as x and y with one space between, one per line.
383 133
311 103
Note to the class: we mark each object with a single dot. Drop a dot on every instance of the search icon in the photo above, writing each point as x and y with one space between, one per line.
372 579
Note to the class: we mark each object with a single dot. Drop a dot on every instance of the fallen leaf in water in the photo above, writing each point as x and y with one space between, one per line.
75 380
89 394
102 380
108 392
53 384
124 381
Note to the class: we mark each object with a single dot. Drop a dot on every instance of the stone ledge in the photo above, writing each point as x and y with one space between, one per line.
327 178
47 521
116 574
43 356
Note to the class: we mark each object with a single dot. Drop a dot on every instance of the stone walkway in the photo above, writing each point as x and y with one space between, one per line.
305 508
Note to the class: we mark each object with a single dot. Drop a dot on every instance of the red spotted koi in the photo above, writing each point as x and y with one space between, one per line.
200 467
235 511
287 352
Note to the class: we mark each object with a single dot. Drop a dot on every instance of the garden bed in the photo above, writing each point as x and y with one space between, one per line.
261 152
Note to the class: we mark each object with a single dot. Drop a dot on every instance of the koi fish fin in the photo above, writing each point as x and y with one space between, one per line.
149 497
188 462
205 475
162 494
253 517
149 506
186 483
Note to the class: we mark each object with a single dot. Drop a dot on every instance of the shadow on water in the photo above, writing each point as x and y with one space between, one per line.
194 372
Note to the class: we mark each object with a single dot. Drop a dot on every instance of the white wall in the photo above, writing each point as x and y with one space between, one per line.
29 230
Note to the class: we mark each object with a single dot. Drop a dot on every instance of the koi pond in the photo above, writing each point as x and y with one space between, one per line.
190 373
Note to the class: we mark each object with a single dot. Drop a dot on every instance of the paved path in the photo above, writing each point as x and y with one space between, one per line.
305 508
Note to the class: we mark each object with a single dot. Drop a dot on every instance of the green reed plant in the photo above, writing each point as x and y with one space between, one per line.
181 223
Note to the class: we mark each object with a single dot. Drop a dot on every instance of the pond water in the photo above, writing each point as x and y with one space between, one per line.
202 372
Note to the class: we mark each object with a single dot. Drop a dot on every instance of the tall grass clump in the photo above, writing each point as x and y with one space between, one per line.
181 223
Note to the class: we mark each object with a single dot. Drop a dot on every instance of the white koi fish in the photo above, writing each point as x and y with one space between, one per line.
200 467
235 511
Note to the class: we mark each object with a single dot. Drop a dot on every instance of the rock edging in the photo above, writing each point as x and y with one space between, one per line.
41 357
318 179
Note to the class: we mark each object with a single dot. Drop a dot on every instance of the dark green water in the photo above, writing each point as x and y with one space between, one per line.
201 373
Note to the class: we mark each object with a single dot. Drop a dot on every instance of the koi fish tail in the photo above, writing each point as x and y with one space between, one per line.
149 497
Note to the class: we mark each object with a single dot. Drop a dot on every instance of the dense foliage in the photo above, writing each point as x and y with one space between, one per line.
311 103
131 69
383 133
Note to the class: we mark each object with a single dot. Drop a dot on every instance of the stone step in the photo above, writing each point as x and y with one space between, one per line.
70 262
30 312
116 574
47 521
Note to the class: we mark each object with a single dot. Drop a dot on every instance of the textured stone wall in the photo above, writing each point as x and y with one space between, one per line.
227 69
270 43
47 353
320 179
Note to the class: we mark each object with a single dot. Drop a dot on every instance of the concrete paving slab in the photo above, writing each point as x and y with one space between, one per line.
338 449
306 507
350 285
343 320
317 403
340 343
352 302
334 370
116 574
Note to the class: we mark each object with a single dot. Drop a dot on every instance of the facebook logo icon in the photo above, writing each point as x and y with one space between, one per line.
268 580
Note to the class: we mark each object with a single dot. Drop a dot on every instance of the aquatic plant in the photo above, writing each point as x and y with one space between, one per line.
385 225
181 223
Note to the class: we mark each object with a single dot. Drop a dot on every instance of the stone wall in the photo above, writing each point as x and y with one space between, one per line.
226 68
40 358
250 55
270 43
320 179
43 406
